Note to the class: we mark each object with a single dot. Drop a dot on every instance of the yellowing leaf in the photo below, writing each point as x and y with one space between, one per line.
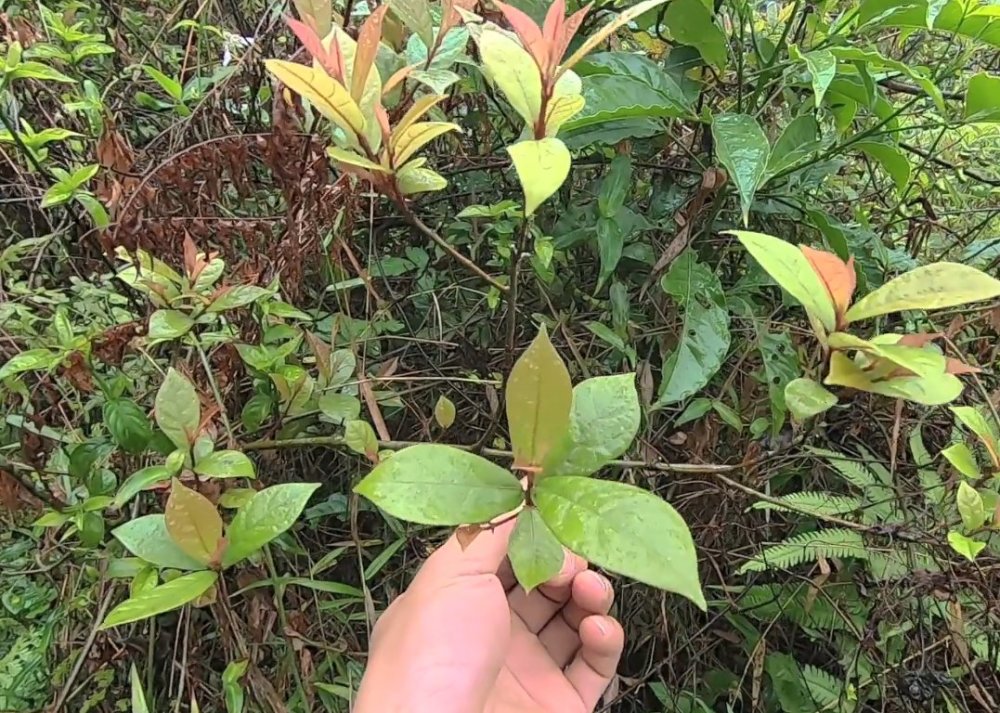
510 67
791 269
420 107
602 34
444 412
567 101
351 158
327 95
414 178
920 361
193 523
941 284
414 137
539 396
542 166
927 390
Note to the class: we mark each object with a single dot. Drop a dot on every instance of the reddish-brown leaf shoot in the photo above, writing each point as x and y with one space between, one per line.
364 57
838 276
528 32
958 367
568 29
331 60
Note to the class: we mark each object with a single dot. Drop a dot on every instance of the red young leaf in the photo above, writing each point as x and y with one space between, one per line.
331 61
918 340
554 18
957 366
529 32
838 276
383 122
450 16
568 31
364 57
190 258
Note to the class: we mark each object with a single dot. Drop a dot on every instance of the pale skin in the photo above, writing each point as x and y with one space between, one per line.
465 638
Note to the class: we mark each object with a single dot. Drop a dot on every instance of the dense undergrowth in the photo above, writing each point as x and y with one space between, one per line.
221 282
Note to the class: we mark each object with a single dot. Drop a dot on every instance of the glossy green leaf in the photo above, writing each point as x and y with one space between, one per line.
542 166
166 324
690 22
797 141
974 420
970 507
940 284
982 98
435 484
193 523
610 245
822 66
894 161
539 396
965 546
704 340
128 425
139 481
340 408
790 268
805 399
29 360
360 437
178 410
268 514
147 537
603 422
743 149
623 529
963 460
166 597
225 464
444 412
615 186
535 554
237 296
415 14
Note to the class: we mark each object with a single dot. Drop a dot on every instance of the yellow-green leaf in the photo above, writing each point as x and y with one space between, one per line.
965 546
327 95
444 412
786 264
318 14
805 399
193 523
962 459
928 390
539 397
602 34
510 67
351 158
420 107
542 165
921 361
175 593
567 101
970 507
407 142
414 178
941 284
977 423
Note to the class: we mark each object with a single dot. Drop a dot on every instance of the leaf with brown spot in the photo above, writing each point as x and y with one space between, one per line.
838 277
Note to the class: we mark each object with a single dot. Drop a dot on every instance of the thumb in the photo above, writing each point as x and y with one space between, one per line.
483 555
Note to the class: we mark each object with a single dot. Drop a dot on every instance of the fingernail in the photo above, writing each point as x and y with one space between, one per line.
602 626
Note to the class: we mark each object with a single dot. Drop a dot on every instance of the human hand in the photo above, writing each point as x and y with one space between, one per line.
465 638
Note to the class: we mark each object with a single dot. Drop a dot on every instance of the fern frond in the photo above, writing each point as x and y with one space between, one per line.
826 690
808 547
816 503
839 607
803 688
850 470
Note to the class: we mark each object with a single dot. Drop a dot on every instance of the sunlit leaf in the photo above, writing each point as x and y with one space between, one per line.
269 513
539 397
327 95
167 324
435 484
959 455
193 522
535 554
822 66
542 166
623 529
941 284
166 597
353 159
178 410
790 268
511 68
805 399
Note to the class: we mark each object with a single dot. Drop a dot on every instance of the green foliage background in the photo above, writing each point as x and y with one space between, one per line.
845 568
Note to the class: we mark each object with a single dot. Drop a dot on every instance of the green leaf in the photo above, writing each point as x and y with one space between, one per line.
822 66
959 455
415 14
147 537
166 597
37 70
437 80
128 425
797 141
167 324
690 23
542 166
139 704
623 529
781 365
539 398
610 244
928 390
193 523
728 415
237 296
340 408
269 513
934 8
890 158
982 98
801 688
970 507
704 339
790 268
615 186
360 438
940 284
178 410
444 412
693 411
508 65
139 481
965 546
225 464
29 360
743 149
603 421
434 484
805 399
972 419
535 554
